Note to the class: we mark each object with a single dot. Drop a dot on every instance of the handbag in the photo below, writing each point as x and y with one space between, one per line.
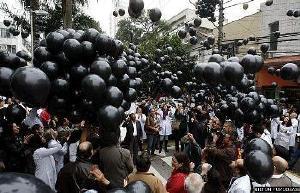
175 125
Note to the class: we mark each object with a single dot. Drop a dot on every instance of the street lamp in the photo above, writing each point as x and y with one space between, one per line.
37 13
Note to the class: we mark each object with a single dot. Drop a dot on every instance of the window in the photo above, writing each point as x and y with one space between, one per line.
4 33
11 48
273 40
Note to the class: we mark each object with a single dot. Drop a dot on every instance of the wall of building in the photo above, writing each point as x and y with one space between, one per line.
243 29
277 12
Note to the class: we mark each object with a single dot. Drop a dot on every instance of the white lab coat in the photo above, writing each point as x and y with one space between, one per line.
73 151
293 134
142 120
59 156
45 164
267 137
165 124
284 136
274 127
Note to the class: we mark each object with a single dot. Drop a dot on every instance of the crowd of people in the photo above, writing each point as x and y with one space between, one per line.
208 158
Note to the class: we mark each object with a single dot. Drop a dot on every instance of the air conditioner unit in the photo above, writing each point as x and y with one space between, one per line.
3 47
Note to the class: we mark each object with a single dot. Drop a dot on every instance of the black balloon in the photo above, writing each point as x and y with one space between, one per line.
41 54
251 51
182 33
115 13
6 22
73 50
55 42
247 104
78 72
193 40
121 12
233 72
60 87
216 58
264 48
135 8
110 118
88 51
50 68
119 68
93 87
114 96
271 70
101 68
289 71
197 22
269 2
155 14
5 75
138 187
25 183
212 73
90 35
252 63
176 92
30 85
258 144
290 13
259 166
111 81
130 95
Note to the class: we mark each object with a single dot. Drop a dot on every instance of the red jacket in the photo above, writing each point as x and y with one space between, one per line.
175 183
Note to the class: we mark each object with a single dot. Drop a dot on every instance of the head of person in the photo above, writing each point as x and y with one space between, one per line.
215 179
228 126
2 102
293 115
13 129
286 120
181 162
138 110
85 150
50 134
132 117
143 163
238 167
280 165
152 112
193 183
37 129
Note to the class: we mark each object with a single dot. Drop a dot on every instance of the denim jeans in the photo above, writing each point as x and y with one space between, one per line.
151 141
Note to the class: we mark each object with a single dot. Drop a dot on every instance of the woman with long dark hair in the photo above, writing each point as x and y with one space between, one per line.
181 169
214 182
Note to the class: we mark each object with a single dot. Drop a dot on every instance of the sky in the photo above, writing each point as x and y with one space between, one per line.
101 10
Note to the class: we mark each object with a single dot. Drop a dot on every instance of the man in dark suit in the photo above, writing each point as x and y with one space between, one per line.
133 135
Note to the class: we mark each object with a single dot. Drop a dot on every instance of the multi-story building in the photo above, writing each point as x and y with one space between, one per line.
283 50
12 43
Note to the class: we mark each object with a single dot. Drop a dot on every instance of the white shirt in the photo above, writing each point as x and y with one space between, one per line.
267 137
243 185
240 132
73 151
134 129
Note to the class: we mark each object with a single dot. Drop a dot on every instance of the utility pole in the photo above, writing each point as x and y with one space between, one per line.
221 23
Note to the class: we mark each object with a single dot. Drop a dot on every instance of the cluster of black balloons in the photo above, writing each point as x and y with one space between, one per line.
295 13
9 62
191 29
133 187
135 8
120 12
12 29
76 74
258 160
206 9
289 71
230 72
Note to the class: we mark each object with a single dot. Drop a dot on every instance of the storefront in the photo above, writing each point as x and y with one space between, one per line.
264 80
